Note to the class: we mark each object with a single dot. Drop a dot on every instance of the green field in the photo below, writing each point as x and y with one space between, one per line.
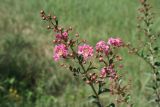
29 77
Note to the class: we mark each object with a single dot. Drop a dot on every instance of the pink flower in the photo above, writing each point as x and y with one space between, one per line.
103 72
60 51
106 50
102 47
111 72
107 71
58 36
63 36
115 42
86 51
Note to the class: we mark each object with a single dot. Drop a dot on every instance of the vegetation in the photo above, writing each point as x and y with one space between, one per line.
28 75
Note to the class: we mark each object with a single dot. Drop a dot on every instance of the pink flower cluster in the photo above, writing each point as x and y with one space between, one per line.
102 47
107 71
115 42
60 51
71 48
86 51
63 36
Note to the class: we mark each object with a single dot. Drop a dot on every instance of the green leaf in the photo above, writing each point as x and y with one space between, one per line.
78 70
103 90
11 81
70 68
74 70
111 105
156 48
2 88
93 98
90 64
110 61
80 58
127 98
91 68
157 63
56 22
141 54
154 88
158 79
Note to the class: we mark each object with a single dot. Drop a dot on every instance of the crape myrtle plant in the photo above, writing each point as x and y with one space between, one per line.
149 49
105 53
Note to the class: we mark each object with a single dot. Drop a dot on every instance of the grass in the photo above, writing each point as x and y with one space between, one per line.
95 20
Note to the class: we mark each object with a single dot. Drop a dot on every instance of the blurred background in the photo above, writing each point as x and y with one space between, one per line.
28 75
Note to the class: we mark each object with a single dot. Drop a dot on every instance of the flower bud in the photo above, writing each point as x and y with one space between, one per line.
97 81
112 65
90 74
42 15
119 58
68 43
42 12
54 17
59 41
128 44
49 16
55 30
71 55
62 64
142 1
54 41
130 52
84 62
48 27
65 66
77 35
70 28
44 18
60 29
88 82
120 66
94 77
100 59
84 41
